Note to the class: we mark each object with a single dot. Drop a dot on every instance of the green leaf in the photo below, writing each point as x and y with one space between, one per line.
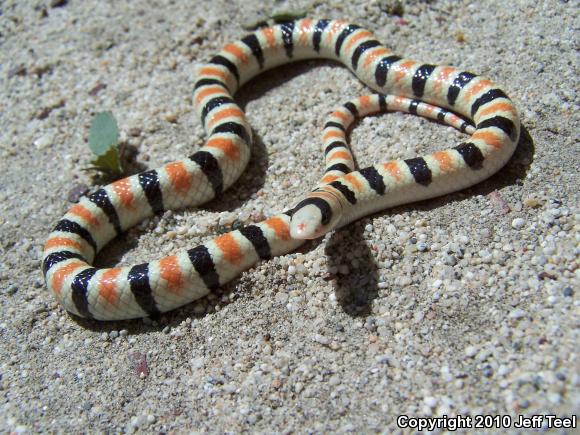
104 134
109 162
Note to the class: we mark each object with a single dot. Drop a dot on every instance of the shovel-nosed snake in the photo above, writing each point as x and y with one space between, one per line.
443 93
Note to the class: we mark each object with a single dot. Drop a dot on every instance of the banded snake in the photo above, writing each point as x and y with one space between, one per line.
342 196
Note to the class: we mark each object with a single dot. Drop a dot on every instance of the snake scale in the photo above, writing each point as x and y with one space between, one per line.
343 195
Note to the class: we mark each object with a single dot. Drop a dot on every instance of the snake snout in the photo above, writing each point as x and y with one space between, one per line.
305 224
315 216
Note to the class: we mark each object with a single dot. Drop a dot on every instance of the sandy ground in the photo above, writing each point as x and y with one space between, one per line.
464 305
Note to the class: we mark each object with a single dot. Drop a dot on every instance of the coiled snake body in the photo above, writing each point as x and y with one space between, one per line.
343 195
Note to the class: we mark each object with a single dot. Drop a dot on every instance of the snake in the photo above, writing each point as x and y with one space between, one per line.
471 103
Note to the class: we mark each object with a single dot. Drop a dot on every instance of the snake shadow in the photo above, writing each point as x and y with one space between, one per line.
355 291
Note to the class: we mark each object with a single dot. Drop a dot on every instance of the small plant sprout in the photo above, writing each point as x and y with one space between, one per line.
104 143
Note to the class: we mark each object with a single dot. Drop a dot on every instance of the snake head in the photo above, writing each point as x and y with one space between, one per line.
316 215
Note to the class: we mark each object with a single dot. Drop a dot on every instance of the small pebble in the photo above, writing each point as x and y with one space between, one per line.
171 117
518 223
430 401
470 351
487 371
138 362
58 3
77 191
19 70
134 132
383 359
532 202
518 313
503 370
43 141
96 89
450 260
325 341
